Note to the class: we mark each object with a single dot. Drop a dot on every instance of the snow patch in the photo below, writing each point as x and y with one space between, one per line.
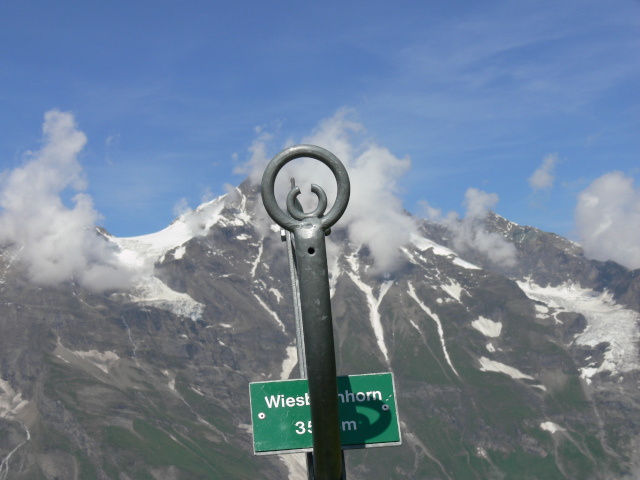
243 236
587 372
246 427
154 293
334 274
412 259
143 252
490 347
4 465
179 252
454 290
277 294
412 294
541 311
424 244
374 314
487 327
353 261
257 261
551 427
103 361
243 215
296 463
11 402
63 359
487 365
271 312
481 452
607 322
289 362
464 264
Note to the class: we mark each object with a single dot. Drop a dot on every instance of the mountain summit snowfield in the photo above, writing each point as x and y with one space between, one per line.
524 369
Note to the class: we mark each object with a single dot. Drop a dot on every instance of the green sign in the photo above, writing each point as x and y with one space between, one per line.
281 414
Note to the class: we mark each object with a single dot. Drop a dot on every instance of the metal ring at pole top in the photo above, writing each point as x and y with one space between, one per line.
318 153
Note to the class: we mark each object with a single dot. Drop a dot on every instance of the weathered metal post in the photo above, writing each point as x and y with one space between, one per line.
309 230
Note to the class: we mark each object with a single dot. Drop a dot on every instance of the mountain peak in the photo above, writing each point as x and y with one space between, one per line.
515 365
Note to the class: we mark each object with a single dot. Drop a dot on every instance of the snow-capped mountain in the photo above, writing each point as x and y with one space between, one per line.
529 370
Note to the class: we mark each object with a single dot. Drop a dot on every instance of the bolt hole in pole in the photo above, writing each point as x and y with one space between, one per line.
309 230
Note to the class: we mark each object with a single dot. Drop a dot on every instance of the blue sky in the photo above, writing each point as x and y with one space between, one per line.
172 95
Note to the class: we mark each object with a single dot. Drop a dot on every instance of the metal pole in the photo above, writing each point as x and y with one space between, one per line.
302 364
309 230
295 288
302 358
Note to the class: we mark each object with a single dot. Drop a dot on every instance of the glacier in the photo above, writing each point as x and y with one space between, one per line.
608 322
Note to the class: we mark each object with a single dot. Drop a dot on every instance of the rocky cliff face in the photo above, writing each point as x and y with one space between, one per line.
522 371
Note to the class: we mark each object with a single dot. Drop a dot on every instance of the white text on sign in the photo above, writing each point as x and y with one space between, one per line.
277 401
347 425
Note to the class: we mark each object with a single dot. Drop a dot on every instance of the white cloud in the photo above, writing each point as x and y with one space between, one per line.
469 232
259 158
207 195
608 220
112 140
58 243
375 216
544 177
181 207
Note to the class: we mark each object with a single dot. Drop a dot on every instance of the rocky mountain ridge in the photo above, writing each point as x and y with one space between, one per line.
528 370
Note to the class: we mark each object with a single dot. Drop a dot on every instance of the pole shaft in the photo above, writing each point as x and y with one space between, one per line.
317 324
